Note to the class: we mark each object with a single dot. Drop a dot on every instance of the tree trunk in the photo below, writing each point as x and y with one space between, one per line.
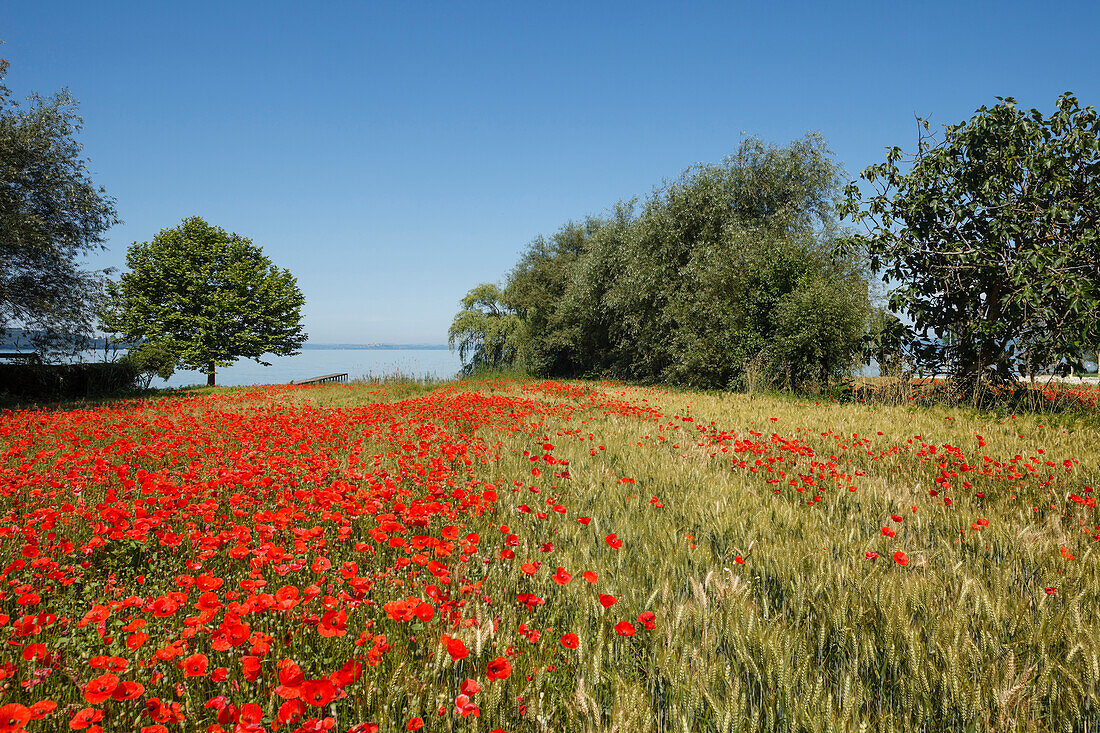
210 375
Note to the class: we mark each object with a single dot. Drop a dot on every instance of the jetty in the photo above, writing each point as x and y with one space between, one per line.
323 379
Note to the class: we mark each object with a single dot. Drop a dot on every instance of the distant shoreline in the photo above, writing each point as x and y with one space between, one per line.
379 347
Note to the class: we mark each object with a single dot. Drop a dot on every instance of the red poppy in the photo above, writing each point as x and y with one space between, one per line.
333 623
456 648
901 558
83 718
625 628
887 532
42 708
128 690
415 724
250 668
570 641
613 541
163 607
318 692
648 619
290 711
607 601
590 576
13 717
251 714
498 669
870 555
469 687
561 577
100 688
194 665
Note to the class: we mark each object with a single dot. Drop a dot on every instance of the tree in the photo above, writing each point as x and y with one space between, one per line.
487 331
206 296
991 239
51 214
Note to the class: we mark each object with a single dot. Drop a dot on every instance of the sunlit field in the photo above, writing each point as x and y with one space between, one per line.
512 555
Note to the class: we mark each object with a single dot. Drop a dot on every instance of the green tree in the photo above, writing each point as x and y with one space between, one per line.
206 296
991 240
51 215
487 332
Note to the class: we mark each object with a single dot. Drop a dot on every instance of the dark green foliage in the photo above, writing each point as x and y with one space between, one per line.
67 381
487 331
51 214
151 359
993 240
207 297
731 264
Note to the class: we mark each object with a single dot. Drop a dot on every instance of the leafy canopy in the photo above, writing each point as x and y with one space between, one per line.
51 214
485 330
731 265
991 239
207 296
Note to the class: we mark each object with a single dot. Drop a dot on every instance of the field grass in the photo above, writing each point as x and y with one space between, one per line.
388 556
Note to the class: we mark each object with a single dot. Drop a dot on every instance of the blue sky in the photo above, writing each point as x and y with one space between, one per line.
394 155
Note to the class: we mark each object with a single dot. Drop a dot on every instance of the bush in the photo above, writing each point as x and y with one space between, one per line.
62 381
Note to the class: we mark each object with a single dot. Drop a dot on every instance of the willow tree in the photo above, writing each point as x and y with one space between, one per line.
486 331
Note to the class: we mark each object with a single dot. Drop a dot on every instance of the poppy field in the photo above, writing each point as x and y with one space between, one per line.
515 555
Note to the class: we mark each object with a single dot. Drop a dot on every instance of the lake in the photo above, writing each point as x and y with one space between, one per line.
437 363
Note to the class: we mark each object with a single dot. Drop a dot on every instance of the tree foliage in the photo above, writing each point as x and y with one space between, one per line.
206 296
487 331
51 215
991 240
731 264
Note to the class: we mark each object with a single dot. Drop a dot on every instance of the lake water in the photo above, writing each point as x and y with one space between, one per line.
437 363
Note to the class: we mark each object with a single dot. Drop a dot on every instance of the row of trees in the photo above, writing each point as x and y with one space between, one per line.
987 242
195 296
730 273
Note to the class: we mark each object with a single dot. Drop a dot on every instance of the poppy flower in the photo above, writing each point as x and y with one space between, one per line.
194 665
570 641
887 532
625 628
498 669
100 688
901 558
251 714
469 687
13 717
585 520
250 668
318 692
648 619
128 690
590 576
561 577
84 718
613 541
42 708
456 648
1050 591
870 555
607 601
334 623
415 724
290 711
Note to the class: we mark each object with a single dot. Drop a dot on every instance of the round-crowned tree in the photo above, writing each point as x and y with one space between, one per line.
207 296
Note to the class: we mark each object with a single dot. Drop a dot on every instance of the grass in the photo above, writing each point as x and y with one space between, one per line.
746 524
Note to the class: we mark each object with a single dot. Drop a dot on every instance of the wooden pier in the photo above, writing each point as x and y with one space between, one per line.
324 379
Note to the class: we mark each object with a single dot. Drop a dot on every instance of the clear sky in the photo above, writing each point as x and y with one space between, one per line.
394 155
